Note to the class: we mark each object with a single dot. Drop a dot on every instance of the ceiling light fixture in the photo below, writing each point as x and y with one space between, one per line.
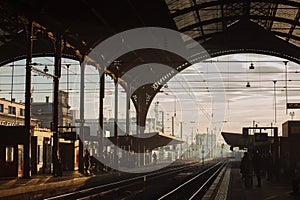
251 66
248 84
46 69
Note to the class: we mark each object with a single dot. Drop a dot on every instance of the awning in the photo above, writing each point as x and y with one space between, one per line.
143 142
244 141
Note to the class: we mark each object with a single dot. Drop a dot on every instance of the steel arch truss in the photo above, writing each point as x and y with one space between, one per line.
202 19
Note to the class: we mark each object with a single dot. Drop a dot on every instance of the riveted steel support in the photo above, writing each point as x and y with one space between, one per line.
57 74
27 157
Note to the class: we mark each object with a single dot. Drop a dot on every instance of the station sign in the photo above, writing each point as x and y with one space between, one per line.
293 105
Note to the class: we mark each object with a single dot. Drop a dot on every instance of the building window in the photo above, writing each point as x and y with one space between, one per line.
22 112
9 155
11 110
40 154
1 108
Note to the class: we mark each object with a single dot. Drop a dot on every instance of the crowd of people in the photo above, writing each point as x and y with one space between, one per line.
261 165
256 163
110 162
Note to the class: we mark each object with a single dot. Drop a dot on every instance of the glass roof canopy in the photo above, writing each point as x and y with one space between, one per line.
200 19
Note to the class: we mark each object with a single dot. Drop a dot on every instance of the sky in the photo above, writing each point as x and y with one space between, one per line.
206 97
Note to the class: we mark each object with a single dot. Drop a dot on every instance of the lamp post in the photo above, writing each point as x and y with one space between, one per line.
162 122
181 138
174 114
192 138
274 101
286 94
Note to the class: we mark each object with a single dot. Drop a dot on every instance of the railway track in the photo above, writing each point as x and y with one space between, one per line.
140 185
195 187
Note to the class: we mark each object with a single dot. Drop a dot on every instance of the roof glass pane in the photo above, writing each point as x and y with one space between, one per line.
193 33
281 27
295 42
285 11
233 9
185 20
212 28
260 8
175 5
210 13
296 31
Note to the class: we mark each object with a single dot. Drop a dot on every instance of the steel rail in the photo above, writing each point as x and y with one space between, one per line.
107 187
180 188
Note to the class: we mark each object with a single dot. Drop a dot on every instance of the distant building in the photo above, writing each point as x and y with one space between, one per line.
203 146
43 111
75 115
150 126
12 145
13 137
12 113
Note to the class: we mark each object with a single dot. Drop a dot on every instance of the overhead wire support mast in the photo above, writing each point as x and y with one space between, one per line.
57 171
286 92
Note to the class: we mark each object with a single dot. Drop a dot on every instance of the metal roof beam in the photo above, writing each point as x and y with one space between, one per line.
237 17
273 14
293 25
246 9
294 37
198 16
218 2
223 15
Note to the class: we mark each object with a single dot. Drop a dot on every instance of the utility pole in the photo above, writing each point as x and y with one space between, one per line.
181 138
162 122
172 125
275 101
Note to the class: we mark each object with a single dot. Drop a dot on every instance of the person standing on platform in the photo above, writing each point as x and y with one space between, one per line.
154 158
87 162
296 178
247 170
269 166
257 164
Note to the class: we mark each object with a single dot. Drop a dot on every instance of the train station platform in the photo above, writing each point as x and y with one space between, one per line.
45 185
14 188
230 185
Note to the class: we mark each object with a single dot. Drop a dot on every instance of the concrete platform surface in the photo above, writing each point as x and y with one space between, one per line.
234 188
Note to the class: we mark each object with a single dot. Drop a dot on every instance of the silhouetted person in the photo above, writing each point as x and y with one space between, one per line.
154 158
286 164
269 166
87 162
296 178
257 165
247 170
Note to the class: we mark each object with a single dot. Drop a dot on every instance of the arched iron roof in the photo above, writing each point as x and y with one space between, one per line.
202 19
85 23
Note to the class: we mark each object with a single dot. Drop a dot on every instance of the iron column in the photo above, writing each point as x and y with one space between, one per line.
27 157
55 105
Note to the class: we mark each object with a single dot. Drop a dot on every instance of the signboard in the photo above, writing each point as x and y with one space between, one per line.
293 105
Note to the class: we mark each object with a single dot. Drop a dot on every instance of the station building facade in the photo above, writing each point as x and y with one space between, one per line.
13 138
